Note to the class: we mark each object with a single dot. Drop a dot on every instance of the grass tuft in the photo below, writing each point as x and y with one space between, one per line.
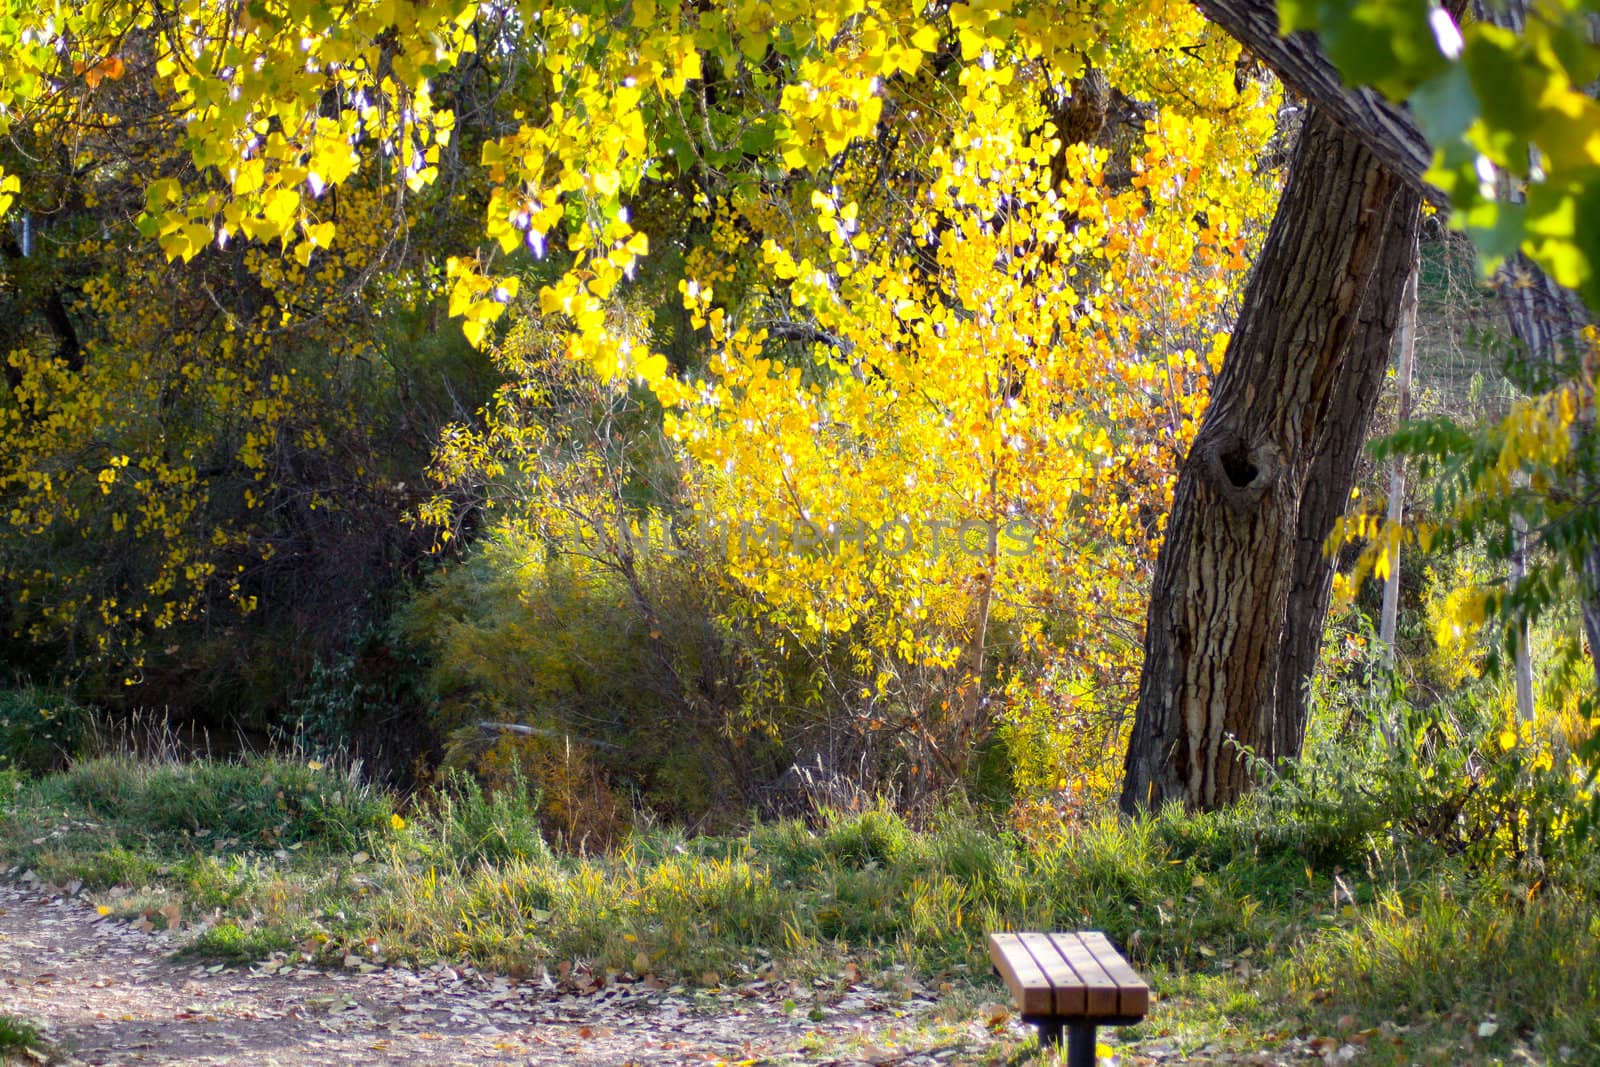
1455 958
232 943
19 1037
1275 917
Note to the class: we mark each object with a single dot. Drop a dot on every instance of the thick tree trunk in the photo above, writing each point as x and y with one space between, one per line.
1326 492
1535 305
1224 575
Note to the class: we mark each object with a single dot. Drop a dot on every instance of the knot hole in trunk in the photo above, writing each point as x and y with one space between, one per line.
1237 466
1241 470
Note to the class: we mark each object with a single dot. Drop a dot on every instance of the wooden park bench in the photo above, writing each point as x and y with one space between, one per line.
1076 980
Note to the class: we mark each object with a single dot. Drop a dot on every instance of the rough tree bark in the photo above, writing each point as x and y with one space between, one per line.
1541 312
1225 572
1326 492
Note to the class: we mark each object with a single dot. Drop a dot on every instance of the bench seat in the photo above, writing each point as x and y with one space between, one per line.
1075 979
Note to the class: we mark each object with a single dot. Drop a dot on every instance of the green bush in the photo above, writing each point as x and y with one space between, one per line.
1457 774
556 643
365 701
41 729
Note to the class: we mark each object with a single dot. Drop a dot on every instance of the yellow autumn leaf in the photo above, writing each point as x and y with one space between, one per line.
651 368
280 209
321 234
249 177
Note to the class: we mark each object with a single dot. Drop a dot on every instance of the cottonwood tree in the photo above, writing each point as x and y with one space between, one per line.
1209 695
1502 108
1269 472
902 242
622 112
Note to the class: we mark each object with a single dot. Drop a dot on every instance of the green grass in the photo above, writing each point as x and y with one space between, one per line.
1454 959
1258 925
232 943
114 821
18 1037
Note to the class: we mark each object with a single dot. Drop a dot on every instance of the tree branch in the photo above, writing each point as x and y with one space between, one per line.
1387 130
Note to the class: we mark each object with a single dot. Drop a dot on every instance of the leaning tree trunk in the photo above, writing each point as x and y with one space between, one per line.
1225 572
1326 492
1535 305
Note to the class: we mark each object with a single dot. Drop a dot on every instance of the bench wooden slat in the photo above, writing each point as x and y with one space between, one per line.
1072 981
1100 990
1022 974
1133 994
1068 986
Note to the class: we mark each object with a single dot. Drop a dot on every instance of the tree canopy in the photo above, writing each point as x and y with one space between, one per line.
930 298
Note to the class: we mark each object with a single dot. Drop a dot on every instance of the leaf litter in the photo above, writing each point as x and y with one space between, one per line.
106 990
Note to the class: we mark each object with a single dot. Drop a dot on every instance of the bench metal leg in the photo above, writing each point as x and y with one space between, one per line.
1049 1033
1080 1044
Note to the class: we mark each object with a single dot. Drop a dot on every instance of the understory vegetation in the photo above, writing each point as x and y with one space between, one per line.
19 1038
1376 897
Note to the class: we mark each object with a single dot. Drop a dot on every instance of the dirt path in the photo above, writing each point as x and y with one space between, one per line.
108 994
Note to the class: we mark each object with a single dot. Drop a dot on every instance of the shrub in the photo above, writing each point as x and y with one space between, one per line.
625 686
365 702
41 729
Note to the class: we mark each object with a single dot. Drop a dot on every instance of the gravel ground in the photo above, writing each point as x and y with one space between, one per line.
106 993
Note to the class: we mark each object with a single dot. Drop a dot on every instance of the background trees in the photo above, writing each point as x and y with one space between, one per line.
929 300
200 432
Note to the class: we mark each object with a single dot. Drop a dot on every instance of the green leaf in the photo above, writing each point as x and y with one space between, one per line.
161 193
1506 86
1388 44
1294 15
1564 235
1454 172
1497 228
758 139
1567 131
1445 104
